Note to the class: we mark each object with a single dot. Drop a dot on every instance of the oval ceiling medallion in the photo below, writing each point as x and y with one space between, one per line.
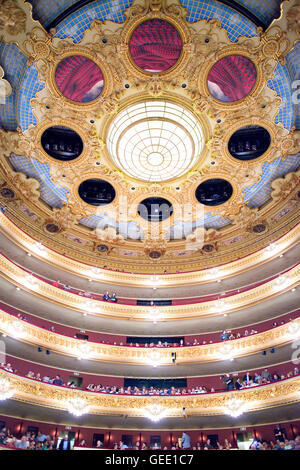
155 141
52 228
208 248
155 254
96 192
259 228
62 143
231 78
214 192
155 209
155 45
7 193
249 143
79 79
102 248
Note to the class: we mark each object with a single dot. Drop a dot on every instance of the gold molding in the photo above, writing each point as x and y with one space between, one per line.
45 51
83 269
268 290
51 396
61 344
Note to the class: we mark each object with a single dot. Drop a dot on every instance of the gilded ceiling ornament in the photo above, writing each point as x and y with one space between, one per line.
212 235
282 34
5 87
27 187
293 18
107 44
109 234
289 143
155 247
283 187
14 142
65 217
12 18
195 240
247 217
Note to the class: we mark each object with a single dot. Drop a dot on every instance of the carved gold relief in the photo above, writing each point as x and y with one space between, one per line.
62 344
203 43
234 302
52 396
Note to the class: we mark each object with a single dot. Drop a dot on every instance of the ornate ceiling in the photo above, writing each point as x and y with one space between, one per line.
139 87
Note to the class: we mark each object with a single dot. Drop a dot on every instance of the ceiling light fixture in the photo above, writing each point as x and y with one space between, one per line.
155 412
281 281
95 270
155 140
226 351
77 406
154 358
155 314
235 407
39 248
221 305
84 350
90 306
16 329
30 281
294 329
6 389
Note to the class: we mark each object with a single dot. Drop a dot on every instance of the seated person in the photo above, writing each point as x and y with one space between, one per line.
113 297
238 384
57 380
224 336
106 296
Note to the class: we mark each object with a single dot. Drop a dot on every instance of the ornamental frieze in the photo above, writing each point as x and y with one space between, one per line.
252 344
14 223
52 396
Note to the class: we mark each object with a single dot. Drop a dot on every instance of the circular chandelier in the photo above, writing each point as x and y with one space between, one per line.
155 412
235 407
78 406
6 389
155 141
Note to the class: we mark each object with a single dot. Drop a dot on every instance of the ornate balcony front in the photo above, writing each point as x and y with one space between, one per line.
152 407
279 336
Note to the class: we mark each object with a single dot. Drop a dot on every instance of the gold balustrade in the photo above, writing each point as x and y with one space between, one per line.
232 303
254 398
61 344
